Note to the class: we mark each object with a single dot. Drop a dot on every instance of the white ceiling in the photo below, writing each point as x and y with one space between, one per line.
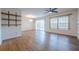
39 12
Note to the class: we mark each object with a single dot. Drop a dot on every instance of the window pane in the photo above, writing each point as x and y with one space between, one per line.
63 19
63 22
54 23
63 26
54 20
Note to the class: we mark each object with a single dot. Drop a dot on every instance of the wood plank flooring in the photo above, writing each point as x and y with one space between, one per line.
41 41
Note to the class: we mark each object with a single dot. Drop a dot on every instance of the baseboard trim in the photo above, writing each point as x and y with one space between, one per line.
28 30
0 42
62 34
12 38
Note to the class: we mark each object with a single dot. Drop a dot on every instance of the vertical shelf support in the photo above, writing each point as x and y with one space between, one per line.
16 19
8 19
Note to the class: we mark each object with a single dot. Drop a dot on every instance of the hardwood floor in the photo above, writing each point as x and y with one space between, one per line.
41 41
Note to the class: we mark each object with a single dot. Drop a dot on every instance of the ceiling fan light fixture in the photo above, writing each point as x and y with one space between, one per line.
50 12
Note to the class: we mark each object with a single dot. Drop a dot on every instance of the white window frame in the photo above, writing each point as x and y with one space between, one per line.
58 23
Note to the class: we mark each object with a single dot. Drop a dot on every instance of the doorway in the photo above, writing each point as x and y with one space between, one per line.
39 25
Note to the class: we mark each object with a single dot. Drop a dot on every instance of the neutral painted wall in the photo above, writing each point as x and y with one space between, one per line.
27 24
11 31
73 27
0 28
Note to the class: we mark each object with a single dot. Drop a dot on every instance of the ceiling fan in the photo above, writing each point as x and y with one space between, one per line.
52 10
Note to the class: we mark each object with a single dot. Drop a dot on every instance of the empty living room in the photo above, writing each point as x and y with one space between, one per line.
39 29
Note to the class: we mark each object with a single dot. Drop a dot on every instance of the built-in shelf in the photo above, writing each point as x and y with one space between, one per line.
9 19
10 14
10 24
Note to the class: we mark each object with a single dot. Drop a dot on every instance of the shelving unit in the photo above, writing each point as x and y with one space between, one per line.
15 21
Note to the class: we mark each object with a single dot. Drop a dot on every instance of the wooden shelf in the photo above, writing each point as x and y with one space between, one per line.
10 19
10 14
9 25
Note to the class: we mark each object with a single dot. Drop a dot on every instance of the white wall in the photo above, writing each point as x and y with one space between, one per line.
11 31
27 24
73 27
0 28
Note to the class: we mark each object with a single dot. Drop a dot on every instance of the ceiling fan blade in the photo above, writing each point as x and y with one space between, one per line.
54 9
50 9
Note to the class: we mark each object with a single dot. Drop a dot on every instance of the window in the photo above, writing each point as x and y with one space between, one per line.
61 23
39 24
54 23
